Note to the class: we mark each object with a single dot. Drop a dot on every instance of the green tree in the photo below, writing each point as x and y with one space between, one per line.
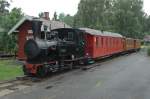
4 5
122 16
146 25
41 14
55 16
128 17
8 42
12 18
94 14
62 16
68 19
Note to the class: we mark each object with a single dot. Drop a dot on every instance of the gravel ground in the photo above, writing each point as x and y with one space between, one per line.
125 77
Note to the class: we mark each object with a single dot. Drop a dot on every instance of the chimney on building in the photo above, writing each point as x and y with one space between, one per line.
46 15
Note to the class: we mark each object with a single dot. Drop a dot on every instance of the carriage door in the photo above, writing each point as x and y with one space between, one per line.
80 44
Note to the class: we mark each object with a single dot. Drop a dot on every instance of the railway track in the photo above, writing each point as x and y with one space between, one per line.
19 83
6 56
25 82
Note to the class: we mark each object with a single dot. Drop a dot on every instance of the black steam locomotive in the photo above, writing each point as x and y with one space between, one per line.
54 50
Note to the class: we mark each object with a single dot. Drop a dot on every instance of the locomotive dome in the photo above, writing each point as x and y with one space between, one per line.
101 33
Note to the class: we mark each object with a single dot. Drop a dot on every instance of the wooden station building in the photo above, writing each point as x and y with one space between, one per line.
23 30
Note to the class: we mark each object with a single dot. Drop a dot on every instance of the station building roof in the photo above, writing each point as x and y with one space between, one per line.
50 23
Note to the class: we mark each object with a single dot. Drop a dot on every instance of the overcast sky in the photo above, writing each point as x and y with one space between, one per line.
33 7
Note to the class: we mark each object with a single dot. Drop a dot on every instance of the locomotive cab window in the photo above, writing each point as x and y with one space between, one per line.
70 36
64 34
67 36
52 35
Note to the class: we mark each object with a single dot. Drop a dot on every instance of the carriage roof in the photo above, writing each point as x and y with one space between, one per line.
101 33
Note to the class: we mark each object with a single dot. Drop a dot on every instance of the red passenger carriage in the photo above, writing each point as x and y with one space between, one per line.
101 44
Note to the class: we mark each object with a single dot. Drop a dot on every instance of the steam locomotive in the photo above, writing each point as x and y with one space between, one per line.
59 49
52 51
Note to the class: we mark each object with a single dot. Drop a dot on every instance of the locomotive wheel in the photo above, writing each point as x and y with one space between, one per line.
25 70
41 71
88 61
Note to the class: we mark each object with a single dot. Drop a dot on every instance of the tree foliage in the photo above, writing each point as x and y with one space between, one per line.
7 20
4 5
95 14
122 16
128 17
55 18
68 19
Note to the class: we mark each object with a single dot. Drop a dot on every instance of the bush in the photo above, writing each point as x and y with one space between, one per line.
148 51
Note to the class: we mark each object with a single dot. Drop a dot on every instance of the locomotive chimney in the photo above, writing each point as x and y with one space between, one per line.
46 15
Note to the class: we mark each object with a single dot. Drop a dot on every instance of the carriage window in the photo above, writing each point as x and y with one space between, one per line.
102 41
97 43
117 42
110 42
107 42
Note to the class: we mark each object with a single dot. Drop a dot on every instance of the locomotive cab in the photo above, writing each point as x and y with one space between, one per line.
72 40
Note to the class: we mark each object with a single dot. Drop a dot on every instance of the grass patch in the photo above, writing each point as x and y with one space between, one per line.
9 69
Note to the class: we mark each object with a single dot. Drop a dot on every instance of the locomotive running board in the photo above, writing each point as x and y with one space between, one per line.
75 59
